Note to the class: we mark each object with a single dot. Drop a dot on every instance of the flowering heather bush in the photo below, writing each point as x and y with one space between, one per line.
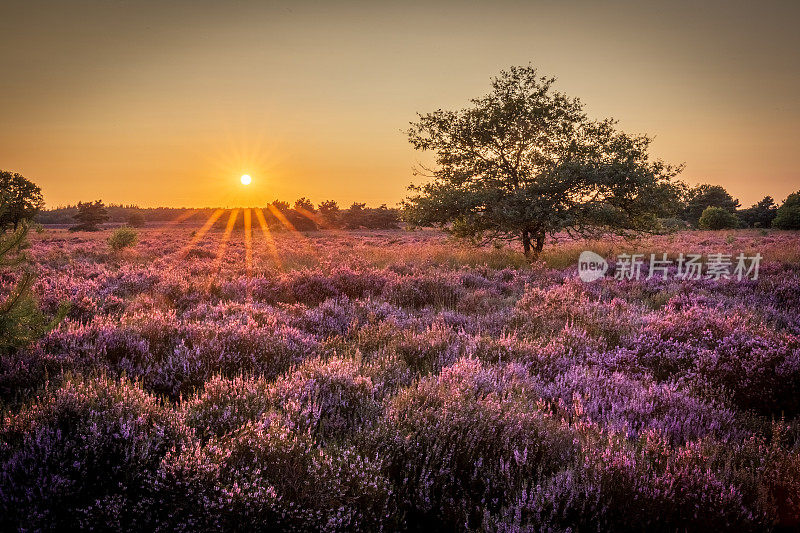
393 381
226 405
639 486
83 456
459 443
269 475
329 399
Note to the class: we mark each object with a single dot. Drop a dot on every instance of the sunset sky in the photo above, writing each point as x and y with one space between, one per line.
169 103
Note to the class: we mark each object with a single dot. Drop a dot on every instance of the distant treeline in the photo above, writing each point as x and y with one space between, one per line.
303 216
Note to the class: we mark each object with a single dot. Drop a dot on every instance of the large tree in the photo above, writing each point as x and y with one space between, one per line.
21 200
524 161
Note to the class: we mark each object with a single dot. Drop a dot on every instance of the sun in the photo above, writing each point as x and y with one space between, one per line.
246 179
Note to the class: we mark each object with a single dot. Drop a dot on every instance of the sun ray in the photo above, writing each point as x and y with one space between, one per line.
288 225
248 242
268 237
281 217
202 231
318 220
223 245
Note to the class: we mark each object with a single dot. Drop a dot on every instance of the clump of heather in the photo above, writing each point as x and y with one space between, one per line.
226 404
84 455
269 474
460 443
330 399
617 485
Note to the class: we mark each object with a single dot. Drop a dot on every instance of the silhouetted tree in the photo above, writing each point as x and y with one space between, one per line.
329 211
702 196
90 215
304 204
759 215
361 216
788 214
22 199
282 206
524 161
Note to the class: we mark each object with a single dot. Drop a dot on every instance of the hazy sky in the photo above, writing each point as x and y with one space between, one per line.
168 103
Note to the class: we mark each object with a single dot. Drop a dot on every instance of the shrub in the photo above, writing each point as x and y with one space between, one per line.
461 443
225 405
715 218
330 399
123 238
83 457
268 476
644 486
137 220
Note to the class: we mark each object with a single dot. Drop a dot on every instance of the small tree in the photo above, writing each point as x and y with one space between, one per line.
90 215
281 206
21 319
329 211
717 218
788 214
524 161
702 196
759 215
22 199
123 238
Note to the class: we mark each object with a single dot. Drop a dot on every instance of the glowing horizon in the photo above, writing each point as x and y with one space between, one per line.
168 105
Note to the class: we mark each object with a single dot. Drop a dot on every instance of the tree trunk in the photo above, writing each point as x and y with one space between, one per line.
539 244
532 243
526 243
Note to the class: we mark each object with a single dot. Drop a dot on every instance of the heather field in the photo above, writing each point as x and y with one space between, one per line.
397 380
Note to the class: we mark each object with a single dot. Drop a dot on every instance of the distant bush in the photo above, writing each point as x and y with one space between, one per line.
136 220
715 218
123 238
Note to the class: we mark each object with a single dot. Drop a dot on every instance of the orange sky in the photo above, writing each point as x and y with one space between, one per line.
167 103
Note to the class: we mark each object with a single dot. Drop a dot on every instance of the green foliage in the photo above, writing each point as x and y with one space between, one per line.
89 216
21 320
702 196
717 218
123 238
788 215
21 200
760 215
524 161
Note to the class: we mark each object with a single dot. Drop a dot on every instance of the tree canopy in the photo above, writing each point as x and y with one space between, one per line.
788 214
761 214
21 200
90 215
703 196
524 161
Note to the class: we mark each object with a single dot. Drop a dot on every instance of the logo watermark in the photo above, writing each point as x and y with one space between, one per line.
591 266
715 266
